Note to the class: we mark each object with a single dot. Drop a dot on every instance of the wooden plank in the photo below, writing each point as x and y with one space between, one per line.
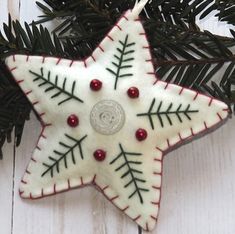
13 7
6 165
6 183
78 211
198 186
198 190
85 210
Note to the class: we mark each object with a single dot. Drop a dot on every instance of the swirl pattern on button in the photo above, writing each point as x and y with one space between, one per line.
107 117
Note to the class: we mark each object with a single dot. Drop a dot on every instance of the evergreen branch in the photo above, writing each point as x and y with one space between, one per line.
31 40
53 86
122 60
14 109
168 113
55 163
181 51
128 167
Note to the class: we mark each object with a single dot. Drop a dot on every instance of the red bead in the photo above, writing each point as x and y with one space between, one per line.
141 134
96 85
100 155
73 121
133 92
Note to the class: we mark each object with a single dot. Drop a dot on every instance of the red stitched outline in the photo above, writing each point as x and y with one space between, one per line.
192 133
54 189
125 18
101 48
12 69
44 125
156 187
28 172
147 228
146 47
158 160
42 114
85 64
210 102
205 125
116 25
35 103
94 178
155 203
181 91
93 58
42 193
155 218
159 149
149 60
19 81
104 188
136 218
181 140
71 64
113 198
81 181
219 116
58 61
38 148
34 160
162 151
123 210
168 143
68 184
21 192
109 37
23 182
27 93
196 96
180 136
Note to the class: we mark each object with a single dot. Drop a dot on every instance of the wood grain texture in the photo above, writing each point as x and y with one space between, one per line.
198 182
7 165
199 186
13 6
6 194
78 211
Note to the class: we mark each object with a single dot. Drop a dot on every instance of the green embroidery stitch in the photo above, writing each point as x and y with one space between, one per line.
63 156
45 81
128 167
168 113
122 60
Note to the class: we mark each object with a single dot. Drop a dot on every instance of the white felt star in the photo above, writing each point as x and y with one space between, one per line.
107 121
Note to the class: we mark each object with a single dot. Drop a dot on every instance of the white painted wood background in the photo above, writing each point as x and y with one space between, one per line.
198 184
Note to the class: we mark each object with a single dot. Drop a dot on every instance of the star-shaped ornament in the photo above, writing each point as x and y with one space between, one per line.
107 121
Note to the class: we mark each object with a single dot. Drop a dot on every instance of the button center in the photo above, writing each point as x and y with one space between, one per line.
107 117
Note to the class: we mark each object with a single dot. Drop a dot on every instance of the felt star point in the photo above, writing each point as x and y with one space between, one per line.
107 121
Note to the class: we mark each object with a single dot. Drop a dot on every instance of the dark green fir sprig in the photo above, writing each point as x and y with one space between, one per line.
182 53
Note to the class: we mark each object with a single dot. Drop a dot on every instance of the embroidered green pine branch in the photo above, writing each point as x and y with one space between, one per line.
122 60
54 86
63 155
133 173
182 53
168 113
